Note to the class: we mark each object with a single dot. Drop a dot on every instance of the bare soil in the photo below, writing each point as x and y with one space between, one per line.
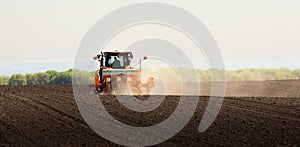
253 113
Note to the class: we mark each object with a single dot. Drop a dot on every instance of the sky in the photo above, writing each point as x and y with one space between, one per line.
250 33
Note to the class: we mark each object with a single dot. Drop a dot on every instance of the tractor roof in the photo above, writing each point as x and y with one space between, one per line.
116 52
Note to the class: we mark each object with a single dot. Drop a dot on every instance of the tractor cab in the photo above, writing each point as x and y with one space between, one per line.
117 60
115 71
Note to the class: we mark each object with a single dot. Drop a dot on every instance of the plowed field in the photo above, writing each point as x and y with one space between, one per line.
253 113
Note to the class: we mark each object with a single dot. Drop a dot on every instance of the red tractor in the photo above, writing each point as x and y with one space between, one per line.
117 76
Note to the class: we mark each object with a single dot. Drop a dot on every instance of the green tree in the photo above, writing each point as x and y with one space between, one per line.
233 76
31 79
42 78
52 74
4 80
296 73
64 77
17 79
283 73
216 74
83 77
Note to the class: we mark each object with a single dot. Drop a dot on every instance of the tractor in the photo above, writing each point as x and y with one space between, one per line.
117 76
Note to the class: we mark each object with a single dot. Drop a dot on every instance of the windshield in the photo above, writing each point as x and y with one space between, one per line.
116 61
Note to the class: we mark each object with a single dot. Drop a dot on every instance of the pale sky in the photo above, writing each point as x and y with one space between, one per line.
250 33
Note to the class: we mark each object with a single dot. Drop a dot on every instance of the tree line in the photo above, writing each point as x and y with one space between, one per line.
253 74
65 77
245 74
48 77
